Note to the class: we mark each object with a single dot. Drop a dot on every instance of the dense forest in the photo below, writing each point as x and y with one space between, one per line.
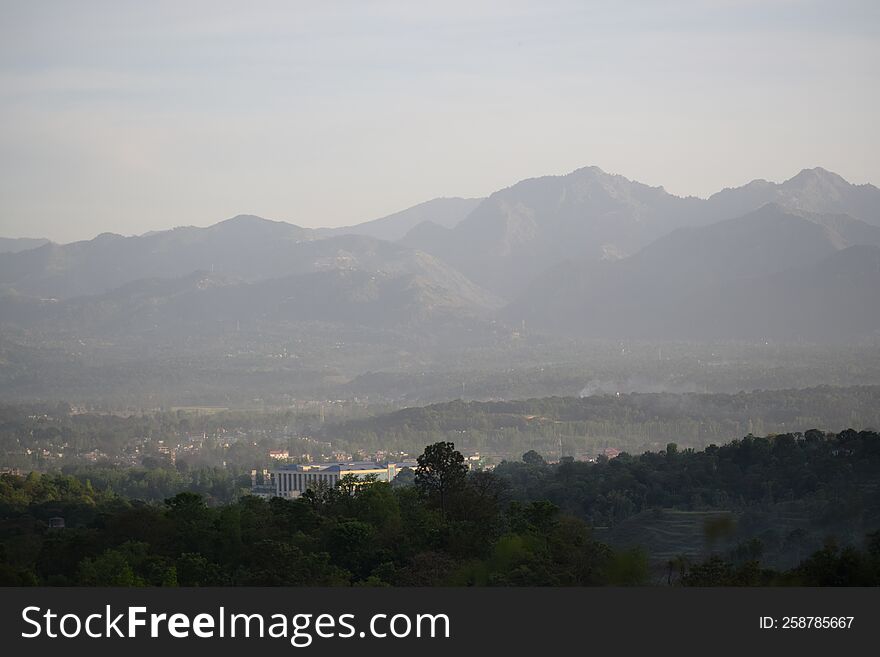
527 523
782 495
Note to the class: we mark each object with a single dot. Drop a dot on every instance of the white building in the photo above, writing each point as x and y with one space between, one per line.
293 480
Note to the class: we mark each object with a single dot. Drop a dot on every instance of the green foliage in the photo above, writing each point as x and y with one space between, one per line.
629 568
111 568
830 472
533 458
441 473
526 524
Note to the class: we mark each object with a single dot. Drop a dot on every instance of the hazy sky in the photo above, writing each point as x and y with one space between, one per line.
132 116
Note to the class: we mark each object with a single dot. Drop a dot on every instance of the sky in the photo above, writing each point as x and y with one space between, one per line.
126 116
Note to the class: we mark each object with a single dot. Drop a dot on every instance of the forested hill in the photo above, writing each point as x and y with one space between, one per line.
784 495
635 422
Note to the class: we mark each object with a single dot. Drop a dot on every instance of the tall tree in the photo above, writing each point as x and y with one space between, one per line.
533 458
441 470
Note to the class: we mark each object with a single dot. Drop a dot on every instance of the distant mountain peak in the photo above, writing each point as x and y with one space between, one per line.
107 237
814 176
252 220
591 170
243 218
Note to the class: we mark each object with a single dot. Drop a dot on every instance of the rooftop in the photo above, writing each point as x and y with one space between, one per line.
333 467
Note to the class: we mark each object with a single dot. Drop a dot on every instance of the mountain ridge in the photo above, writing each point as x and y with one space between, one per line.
672 285
553 250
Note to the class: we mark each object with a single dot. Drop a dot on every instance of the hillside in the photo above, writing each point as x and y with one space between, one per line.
811 190
244 246
767 274
16 244
518 232
349 279
446 212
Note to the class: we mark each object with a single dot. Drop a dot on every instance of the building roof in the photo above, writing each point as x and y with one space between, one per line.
333 467
343 466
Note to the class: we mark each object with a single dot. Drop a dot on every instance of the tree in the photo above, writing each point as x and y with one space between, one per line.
108 569
441 470
406 477
533 458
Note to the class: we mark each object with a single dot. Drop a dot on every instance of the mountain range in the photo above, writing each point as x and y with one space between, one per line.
16 244
751 277
519 232
587 254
